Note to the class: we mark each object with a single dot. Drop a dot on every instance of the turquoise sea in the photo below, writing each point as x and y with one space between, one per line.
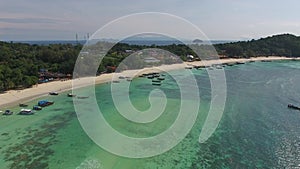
257 130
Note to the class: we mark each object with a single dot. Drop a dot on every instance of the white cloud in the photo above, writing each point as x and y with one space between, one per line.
219 19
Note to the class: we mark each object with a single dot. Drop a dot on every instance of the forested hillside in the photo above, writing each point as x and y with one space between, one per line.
20 63
278 45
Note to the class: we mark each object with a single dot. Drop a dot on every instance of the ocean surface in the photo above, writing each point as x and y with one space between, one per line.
257 130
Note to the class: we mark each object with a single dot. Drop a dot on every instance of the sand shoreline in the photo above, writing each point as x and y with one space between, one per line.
14 97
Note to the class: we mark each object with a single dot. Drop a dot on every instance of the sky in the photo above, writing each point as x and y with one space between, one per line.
218 19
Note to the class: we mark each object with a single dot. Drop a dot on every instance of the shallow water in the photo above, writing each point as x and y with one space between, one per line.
256 131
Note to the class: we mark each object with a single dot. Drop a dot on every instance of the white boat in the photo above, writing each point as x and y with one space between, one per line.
26 112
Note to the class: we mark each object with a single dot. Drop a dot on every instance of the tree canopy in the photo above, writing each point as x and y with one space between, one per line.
277 45
20 63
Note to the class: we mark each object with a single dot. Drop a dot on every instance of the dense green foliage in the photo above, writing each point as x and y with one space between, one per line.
118 53
20 63
278 45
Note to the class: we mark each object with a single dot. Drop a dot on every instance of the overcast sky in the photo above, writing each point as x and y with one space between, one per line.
218 19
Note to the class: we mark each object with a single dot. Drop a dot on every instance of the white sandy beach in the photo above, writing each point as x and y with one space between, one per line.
14 97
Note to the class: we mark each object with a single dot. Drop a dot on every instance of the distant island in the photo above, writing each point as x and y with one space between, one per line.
24 65
197 41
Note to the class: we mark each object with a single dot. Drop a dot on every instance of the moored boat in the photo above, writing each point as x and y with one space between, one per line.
26 112
83 97
23 105
231 64
71 95
210 68
293 107
157 81
156 84
199 67
8 112
44 103
53 93
219 67
37 107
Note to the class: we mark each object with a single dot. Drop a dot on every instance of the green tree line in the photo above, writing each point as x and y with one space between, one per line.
20 63
277 45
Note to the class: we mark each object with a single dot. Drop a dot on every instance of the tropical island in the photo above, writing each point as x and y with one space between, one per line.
23 65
